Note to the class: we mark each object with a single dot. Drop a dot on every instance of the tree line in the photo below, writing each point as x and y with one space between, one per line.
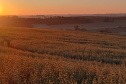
54 20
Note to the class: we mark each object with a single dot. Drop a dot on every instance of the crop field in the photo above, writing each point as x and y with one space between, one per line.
45 56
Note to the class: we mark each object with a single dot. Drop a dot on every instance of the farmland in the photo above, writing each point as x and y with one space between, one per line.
45 56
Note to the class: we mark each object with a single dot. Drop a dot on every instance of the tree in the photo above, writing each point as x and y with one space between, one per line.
76 27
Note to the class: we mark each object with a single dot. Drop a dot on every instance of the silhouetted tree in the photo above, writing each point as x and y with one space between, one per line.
76 27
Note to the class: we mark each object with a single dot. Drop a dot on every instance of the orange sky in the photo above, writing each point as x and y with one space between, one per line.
33 7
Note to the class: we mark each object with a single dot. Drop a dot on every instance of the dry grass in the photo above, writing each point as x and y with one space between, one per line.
40 56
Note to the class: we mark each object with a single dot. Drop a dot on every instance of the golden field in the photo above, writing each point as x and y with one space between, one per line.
45 56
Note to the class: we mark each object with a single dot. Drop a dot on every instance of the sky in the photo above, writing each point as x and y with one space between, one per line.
43 7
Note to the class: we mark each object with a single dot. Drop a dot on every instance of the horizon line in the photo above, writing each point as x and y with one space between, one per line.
61 14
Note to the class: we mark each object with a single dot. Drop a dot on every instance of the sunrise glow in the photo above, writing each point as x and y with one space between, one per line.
34 7
0 10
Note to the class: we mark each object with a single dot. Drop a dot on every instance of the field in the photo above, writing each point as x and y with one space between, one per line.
45 56
117 26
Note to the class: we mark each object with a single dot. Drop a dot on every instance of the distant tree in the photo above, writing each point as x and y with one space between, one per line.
76 27
108 19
